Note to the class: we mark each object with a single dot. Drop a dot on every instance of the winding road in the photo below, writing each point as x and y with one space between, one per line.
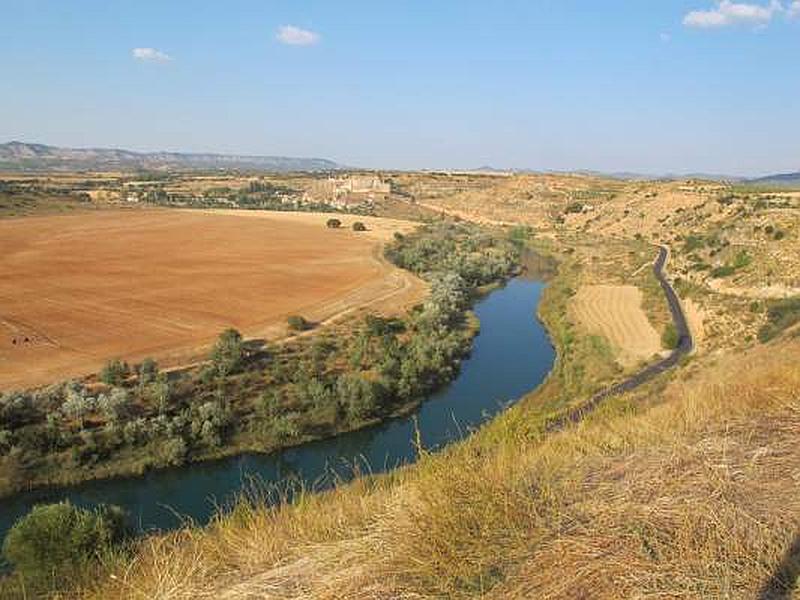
684 346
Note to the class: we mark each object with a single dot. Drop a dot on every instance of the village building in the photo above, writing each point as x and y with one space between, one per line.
349 192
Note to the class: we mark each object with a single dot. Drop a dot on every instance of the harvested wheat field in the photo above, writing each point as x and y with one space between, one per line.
615 312
77 290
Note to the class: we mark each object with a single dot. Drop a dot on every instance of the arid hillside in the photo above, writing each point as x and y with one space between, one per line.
733 250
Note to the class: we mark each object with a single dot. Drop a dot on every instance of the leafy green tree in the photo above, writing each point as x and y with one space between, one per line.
315 392
228 353
77 405
161 392
135 432
115 405
16 409
54 542
333 223
360 397
173 452
446 300
285 427
147 372
6 441
359 226
209 422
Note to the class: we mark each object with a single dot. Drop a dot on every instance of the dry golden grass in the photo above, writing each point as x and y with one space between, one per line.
685 491
615 312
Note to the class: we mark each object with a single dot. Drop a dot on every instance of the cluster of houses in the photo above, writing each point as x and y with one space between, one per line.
344 193
348 192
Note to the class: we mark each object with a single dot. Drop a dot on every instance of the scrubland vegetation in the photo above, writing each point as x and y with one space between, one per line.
781 315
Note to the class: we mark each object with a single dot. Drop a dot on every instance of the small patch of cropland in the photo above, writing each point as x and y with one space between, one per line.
615 312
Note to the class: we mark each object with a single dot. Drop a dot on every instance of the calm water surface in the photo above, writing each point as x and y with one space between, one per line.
510 357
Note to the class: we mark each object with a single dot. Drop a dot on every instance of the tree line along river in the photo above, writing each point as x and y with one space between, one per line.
511 356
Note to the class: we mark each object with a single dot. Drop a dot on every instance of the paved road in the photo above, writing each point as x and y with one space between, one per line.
685 345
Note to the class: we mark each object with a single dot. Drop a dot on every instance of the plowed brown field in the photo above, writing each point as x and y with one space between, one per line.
77 290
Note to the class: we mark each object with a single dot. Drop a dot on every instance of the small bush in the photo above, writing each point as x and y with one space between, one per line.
781 315
670 338
742 260
520 234
693 242
333 224
298 323
115 372
723 271
359 226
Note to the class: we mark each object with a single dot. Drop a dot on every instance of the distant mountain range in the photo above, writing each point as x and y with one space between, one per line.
21 156
35 157
783 179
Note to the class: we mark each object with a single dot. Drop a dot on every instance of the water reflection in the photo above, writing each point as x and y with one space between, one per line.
511 356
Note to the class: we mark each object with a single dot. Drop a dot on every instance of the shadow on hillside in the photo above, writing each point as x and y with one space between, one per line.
783 581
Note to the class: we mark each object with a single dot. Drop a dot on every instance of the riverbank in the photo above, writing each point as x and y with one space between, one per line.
351 375
511 341
509 512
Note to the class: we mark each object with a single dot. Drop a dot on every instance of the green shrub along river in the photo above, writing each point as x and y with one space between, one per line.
260 398
350 384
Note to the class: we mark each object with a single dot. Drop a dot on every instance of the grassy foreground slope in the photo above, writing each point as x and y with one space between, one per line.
680 491
686 487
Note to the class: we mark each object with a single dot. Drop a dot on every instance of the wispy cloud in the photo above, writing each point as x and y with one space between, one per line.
150 55
794 10
295 36
665 37
728 13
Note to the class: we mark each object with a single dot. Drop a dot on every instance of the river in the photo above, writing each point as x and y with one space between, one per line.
511 356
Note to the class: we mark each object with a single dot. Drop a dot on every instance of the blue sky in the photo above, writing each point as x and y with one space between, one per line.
635 85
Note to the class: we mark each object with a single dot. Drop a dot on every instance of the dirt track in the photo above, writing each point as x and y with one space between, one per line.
77 290
685 346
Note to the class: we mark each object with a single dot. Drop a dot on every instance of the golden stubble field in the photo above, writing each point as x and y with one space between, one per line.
78 290
615 312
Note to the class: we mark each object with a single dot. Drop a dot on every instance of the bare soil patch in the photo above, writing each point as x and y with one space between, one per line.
615 312
77 290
